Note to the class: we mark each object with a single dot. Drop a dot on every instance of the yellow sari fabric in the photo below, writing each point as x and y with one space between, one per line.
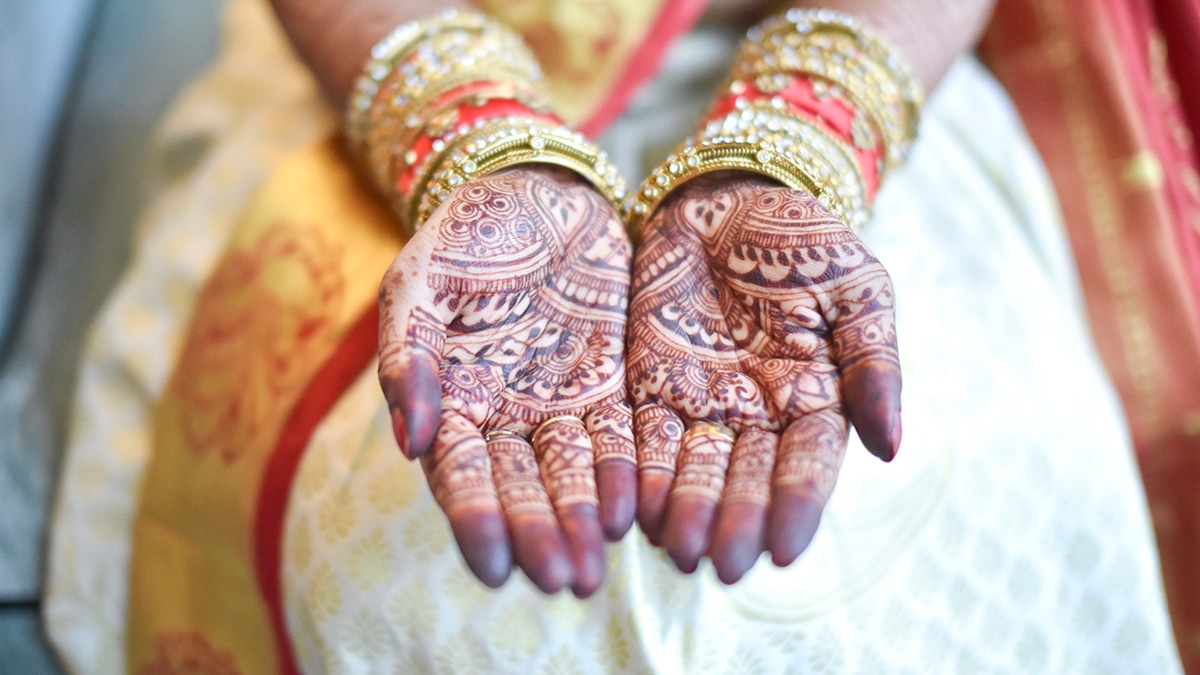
300 269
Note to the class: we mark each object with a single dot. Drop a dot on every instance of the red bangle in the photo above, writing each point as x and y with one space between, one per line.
466 115
833 114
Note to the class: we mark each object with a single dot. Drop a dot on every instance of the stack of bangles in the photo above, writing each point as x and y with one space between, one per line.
456 97
816 102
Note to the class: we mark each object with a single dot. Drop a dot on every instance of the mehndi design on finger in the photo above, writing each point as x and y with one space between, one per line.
460 474
659 435
565 454
611 428
751 468
517 476
811 454
703 458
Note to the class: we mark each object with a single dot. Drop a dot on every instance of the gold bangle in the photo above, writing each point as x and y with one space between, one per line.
762 138
401 97
839 49
392 135
388 50
452 56
391 48
489 147
830 160
709 156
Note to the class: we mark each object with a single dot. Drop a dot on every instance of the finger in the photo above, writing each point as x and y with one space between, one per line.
411 339
864 338
564 453
460 476
810 455
611 429
739 533
539 547
657 432
703 459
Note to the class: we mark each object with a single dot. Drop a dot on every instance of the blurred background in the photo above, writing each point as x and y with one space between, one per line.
82 85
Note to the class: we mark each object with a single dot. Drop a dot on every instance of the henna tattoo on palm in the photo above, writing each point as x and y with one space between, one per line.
753 307
506 310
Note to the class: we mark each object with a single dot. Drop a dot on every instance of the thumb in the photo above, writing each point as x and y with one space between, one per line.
864 337
412 335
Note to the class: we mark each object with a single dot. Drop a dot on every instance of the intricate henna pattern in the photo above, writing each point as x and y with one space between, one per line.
460 473
565 453
611 428
518 478
750 468
702 464
754 307
507 309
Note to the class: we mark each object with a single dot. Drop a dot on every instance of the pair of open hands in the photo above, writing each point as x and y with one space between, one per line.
751 307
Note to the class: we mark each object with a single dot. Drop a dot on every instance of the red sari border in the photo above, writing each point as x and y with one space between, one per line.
354 352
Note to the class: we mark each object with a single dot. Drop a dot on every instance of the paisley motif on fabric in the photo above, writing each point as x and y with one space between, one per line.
277 297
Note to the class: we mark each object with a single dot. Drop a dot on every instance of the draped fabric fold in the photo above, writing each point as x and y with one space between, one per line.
1098 85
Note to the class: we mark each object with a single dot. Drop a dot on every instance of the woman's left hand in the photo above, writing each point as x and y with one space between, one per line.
760 328
502 335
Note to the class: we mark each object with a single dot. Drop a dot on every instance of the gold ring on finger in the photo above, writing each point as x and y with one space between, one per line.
497 434
707 429
556 418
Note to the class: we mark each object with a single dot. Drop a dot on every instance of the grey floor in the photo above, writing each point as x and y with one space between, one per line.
138 55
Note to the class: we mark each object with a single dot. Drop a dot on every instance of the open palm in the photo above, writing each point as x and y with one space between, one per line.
505 314
760 329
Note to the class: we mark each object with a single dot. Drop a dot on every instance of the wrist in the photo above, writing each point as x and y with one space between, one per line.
814 101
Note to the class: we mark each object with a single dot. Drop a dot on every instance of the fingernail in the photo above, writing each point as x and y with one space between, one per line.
894 438
400 431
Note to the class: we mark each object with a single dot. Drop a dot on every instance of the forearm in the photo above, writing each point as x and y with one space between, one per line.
930 34
334 37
